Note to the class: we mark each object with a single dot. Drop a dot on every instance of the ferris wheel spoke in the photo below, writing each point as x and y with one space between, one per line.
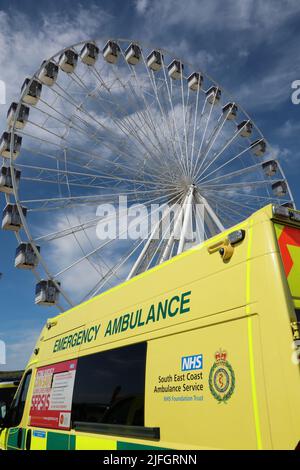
146 113
52 105
70 123
205 131
165 121
246 195
104 197
61 159
102 283
231 209
73 201
170 119
112 272
158 250
191 120
154 242
107 130
228 212
52 236
97 157
160 151
236 173
135 97
46 130
131 130
212 139
219 153
210 228
90 178
166 128
196 122
220 167
231 216
50 175
222 197
184 111
102 246
244 184
51 179
174 118
72 230
66 232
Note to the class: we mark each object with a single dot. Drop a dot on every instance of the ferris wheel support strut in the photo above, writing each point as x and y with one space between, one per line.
187 219
143 253
213 216
168 249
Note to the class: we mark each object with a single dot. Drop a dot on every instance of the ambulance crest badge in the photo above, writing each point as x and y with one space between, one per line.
221 378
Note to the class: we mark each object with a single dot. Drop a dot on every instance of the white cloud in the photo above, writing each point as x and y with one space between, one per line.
289 128
20 343
141 6
270 90
283 154
232 15
24 45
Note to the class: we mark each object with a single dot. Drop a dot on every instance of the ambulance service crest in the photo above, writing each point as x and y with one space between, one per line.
221 378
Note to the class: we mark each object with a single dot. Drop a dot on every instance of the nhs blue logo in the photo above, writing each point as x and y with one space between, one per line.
192 362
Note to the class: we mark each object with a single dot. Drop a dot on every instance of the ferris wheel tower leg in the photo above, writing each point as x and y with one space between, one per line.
199 222
177 225
212 216
187 219
144 251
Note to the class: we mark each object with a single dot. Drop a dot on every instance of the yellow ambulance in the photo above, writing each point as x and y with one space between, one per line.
201 352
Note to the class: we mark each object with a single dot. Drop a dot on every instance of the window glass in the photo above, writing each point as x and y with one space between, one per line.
110 387
18 404
7 394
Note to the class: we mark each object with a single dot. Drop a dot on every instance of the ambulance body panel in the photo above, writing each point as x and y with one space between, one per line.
197 353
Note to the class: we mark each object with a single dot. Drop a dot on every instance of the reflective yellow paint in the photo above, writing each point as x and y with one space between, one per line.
250 338
38 443
85 441
242 306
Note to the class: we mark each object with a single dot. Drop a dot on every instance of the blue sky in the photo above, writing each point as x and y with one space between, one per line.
251 47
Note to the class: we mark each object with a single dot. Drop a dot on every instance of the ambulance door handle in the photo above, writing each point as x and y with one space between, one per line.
28 440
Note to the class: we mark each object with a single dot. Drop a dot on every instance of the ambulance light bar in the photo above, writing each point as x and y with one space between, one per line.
295 216
236 237
286 213
281 211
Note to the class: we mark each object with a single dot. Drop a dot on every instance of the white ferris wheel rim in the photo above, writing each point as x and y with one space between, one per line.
17 200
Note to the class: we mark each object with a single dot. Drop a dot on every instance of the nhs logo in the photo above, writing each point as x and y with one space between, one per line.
192 362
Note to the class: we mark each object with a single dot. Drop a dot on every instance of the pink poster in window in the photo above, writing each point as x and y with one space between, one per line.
51 402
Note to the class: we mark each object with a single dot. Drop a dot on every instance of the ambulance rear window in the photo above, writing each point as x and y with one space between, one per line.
110 387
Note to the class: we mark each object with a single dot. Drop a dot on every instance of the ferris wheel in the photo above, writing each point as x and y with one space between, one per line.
101 121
